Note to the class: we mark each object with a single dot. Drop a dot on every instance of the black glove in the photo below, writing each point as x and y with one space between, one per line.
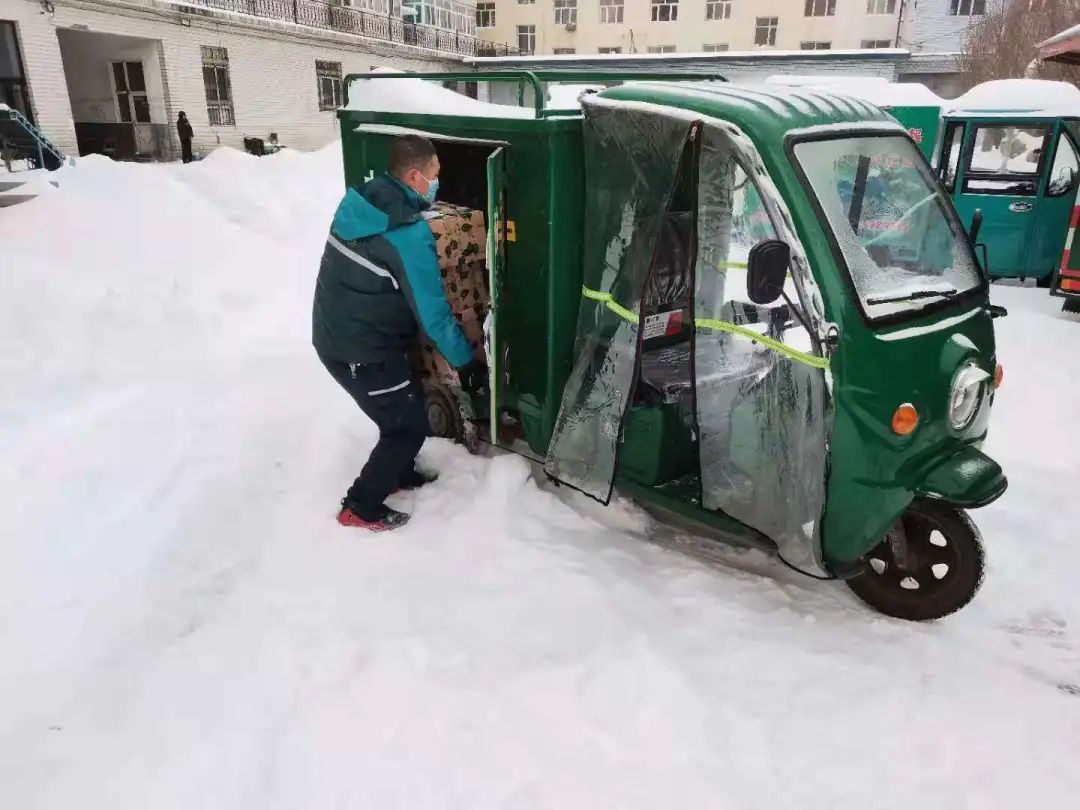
473 376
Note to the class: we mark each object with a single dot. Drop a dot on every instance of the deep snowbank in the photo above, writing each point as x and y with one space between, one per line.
184 625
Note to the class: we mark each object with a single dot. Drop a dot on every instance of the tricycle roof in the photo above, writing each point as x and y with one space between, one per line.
764 112
1018 98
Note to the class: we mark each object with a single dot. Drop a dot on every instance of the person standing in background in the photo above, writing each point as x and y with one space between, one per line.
183 129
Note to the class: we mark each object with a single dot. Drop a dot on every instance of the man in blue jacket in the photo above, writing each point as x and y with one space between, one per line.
378 283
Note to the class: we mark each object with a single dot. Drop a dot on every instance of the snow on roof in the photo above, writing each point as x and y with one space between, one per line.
875 89
1020 97
4 107
425 97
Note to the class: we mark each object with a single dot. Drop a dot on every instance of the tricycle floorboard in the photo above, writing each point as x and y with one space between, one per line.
671 504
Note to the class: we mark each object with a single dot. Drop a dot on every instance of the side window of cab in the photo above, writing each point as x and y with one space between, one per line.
1005 159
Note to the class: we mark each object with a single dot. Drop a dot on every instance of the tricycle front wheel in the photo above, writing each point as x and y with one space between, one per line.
930 564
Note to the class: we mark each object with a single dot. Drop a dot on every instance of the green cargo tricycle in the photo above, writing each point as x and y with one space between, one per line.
1019 167
752 310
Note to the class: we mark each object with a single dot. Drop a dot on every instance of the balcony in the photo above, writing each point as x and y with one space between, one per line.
361 23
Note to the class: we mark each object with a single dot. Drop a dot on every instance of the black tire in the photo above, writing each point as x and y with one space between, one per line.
928 535
1071 305
1044 282
445 418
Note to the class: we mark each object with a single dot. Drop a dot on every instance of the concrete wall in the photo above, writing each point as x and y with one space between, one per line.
847 28
272 66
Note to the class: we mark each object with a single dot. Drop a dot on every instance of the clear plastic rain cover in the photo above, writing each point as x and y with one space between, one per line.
631 162
761 404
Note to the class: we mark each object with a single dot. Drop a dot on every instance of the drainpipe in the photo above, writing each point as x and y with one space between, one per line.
899 20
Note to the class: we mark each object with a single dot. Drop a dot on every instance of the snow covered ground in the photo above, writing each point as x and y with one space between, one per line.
184 625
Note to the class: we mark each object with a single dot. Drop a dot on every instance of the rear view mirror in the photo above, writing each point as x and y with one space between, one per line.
976 225
766 270
1063 182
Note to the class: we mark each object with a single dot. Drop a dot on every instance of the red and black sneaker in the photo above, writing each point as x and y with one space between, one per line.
388 519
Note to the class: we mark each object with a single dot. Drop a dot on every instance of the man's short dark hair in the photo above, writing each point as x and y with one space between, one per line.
410 152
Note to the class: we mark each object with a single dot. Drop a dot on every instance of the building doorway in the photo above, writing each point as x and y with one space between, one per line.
118 97
13 88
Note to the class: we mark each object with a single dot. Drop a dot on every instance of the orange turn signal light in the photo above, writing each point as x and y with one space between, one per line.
999 375
905 420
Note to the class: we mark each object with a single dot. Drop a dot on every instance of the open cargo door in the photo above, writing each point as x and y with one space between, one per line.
632 160
497 234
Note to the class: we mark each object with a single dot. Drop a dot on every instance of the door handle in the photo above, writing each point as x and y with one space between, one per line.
1020 207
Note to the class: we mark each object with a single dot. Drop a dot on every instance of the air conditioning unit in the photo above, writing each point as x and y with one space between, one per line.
571 26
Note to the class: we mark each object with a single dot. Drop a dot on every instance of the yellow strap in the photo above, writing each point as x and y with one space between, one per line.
811 360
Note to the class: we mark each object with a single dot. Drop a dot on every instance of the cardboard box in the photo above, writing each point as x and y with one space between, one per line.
461 245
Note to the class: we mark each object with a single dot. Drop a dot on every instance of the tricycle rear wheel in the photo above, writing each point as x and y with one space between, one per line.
445 417
930 564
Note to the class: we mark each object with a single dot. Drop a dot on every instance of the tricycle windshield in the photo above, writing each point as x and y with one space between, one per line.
903 245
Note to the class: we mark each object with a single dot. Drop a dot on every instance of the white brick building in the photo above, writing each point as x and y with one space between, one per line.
935 32
547 27
111 75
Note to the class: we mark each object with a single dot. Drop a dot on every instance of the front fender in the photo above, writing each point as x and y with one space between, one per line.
968 479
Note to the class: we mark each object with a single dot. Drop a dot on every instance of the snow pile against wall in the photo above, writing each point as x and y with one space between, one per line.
184 625
425 97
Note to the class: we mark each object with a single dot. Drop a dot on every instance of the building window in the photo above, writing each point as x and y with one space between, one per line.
330 86
814 46
660 49
129 84
968 8
868 44
564 51
609 50
219 100
526 38
526 2
714 47
451 15
566 12
665 10
880 6
765 30
820 8
611 11
717 9
485 15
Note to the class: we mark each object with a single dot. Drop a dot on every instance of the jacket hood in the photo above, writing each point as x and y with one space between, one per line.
380 205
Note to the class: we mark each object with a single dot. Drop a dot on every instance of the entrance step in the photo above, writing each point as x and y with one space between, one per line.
13 192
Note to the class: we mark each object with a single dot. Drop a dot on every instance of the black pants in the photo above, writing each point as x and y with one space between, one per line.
185 150
391 396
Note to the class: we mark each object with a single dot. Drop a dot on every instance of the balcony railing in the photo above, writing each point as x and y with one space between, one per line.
362 23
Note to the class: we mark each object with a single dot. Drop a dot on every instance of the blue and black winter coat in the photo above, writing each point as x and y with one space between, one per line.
379 280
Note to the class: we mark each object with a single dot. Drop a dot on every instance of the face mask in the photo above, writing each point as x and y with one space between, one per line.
433 189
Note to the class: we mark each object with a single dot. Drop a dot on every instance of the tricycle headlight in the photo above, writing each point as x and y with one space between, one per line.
966 395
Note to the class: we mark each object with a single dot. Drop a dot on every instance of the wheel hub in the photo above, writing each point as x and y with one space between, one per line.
440 419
